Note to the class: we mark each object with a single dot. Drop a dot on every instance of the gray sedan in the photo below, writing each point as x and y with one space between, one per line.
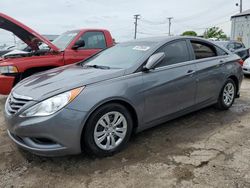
95 105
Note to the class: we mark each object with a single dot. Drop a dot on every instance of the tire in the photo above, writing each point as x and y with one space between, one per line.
222 104
98 127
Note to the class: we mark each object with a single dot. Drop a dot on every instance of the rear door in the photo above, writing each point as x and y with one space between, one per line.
171 86
209 61
94 42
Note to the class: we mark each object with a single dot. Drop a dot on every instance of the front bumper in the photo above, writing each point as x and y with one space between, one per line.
55 135
6 84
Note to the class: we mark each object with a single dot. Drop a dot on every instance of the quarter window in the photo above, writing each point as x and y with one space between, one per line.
230 46
93 40
220 52
202 50
175 52
238 46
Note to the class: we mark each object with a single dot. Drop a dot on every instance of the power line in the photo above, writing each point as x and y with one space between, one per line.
202 13
153 22
209 23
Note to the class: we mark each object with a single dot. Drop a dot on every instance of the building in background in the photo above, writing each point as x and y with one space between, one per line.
240 29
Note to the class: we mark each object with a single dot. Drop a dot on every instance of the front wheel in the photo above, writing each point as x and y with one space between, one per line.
107 130
227 95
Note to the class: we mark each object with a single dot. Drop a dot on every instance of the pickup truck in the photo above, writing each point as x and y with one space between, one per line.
41 54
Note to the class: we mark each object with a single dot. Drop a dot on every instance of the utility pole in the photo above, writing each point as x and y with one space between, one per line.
169 25
136 17
240 5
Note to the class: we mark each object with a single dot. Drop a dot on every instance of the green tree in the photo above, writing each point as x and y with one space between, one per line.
215 32
189 33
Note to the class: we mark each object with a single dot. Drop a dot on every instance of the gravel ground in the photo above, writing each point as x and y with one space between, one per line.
208 148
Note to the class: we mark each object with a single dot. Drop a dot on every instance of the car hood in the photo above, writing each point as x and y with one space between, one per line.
26 34
55 81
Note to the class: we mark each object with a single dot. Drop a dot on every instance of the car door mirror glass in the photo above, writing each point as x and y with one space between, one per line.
79 44
154 60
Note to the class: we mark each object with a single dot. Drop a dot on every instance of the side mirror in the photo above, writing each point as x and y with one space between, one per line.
154 60
78 44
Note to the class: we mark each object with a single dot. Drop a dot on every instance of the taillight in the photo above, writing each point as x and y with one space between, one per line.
241 62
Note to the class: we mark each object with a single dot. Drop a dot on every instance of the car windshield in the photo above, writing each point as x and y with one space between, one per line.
63 40
122 55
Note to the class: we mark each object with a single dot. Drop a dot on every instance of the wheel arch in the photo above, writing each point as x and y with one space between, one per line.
236 81
120 101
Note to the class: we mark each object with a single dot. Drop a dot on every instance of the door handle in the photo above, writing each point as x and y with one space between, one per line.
190 71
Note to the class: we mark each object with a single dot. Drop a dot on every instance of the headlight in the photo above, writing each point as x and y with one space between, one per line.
53 104
8 69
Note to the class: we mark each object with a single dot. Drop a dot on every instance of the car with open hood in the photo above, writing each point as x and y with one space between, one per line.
68 48
96 105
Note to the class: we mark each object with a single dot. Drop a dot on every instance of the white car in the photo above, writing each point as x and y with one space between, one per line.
246 66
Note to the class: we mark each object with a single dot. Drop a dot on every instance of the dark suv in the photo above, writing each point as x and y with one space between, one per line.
235 47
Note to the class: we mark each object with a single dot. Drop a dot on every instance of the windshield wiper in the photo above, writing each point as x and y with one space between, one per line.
97 66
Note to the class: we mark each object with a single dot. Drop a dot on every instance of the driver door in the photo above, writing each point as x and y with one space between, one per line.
171 86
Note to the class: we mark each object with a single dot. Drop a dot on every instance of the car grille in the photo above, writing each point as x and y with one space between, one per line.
16 102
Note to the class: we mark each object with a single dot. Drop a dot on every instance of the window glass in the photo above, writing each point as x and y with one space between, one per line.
123 55
238 46
93 40
220 52
202 50
64 40
230 46
175 52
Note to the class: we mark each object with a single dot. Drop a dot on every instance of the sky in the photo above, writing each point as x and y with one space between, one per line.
58 16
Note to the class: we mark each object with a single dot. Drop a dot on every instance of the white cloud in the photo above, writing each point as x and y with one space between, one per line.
57 16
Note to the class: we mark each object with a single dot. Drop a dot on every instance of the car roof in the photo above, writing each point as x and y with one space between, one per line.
227 41
164 39
85 29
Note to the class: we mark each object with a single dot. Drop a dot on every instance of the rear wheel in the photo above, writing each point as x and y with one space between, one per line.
107 130
227 95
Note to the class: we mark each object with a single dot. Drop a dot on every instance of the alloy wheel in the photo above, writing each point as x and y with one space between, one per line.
228 94
110 130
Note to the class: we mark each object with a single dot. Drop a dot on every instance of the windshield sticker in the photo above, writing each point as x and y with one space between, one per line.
141 48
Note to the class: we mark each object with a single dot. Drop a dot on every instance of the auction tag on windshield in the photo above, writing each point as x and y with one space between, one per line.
141 48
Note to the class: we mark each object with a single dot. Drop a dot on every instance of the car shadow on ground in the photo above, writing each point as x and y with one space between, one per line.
153 145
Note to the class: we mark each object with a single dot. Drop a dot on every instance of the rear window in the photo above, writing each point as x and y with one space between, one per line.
238 46
203 50
220 52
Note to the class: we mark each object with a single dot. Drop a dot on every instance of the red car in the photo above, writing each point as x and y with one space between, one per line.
41 54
